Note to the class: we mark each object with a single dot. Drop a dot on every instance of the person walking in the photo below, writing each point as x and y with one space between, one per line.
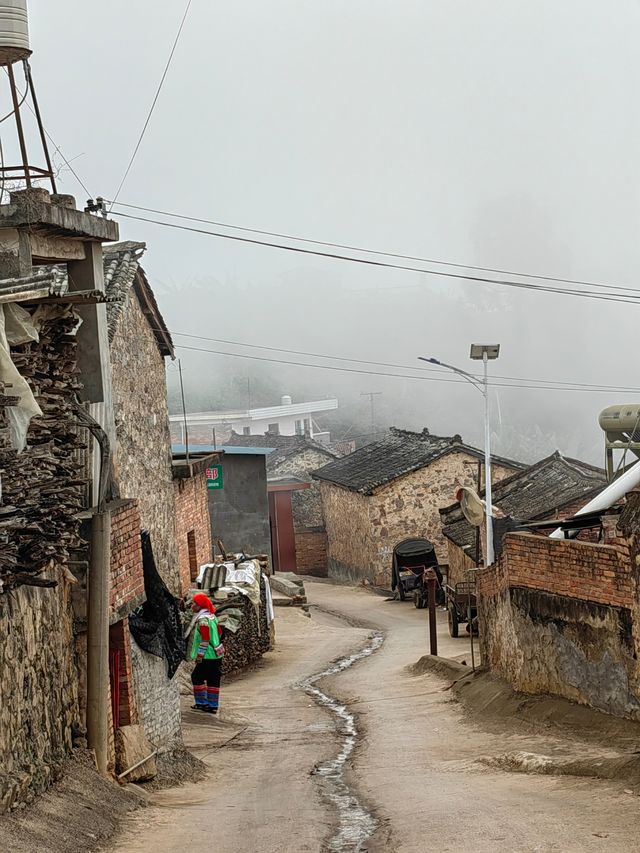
207 651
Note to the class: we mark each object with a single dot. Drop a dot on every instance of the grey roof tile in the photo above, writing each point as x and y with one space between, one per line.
536 493
400 452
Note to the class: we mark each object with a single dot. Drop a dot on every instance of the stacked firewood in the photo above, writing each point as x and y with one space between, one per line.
42 490
252 640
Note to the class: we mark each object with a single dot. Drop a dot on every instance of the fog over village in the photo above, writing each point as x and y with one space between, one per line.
514 150
319 426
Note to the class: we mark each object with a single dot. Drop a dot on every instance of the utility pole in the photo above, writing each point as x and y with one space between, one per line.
372 400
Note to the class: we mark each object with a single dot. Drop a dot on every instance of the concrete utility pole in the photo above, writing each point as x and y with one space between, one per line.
372 399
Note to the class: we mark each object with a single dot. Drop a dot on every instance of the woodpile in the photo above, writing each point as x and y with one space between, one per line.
42 487
252 639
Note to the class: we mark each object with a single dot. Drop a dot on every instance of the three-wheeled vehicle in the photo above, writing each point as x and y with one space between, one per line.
461 603
410 559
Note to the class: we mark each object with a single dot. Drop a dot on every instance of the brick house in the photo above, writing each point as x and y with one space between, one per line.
298 457
195 546
555 487
390 490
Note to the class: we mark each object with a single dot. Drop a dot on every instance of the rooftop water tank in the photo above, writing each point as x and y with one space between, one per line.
14 31
624 418
286 400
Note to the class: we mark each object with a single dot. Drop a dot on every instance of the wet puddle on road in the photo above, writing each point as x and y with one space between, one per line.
355 824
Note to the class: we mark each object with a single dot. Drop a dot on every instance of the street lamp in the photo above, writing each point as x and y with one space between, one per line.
484 353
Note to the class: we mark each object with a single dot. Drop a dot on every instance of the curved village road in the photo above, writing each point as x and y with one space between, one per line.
415 767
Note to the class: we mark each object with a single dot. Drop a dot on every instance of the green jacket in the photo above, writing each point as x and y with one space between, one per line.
206 637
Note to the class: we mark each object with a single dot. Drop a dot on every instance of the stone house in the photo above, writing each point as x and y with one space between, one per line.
390 490
139 343
555 487
298 457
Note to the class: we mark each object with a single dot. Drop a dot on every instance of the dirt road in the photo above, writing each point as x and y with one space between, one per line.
415 769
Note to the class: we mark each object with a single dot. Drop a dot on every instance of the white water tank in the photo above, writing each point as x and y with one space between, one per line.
622 418
286 400
14 31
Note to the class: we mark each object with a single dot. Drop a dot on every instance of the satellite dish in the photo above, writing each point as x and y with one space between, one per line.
472 506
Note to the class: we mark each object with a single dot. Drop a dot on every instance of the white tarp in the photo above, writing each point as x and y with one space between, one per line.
17 328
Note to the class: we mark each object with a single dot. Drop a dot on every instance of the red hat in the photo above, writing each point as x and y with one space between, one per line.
204 602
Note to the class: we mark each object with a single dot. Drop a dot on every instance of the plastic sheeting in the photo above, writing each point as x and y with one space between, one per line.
16 327
157 625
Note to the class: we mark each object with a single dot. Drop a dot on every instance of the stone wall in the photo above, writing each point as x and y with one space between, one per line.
143 465
306 503
363 530
350 541
38 680
157 698
561 617
193 527
459 565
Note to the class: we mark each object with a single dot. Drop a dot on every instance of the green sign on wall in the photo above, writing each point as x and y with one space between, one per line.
214 477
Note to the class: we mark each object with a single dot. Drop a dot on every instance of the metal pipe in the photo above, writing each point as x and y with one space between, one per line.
98 638
18 118
432 579
607 497
487 464
98 601
43 137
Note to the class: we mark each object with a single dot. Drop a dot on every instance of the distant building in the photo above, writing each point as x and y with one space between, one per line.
286 419
391 490
295 503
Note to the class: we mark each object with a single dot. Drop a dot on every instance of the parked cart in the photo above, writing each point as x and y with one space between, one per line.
460 600
410 559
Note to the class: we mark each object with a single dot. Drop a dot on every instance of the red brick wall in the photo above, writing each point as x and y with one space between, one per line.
192 516
127 578
311 552
119 640
581 570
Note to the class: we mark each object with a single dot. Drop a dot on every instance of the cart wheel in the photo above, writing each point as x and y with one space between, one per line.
418 600
401 593
452 619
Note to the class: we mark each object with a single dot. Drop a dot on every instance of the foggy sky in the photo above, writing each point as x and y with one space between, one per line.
502 134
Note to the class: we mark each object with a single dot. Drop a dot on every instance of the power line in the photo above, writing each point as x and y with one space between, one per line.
153 103
395 365
494 384
386 265
350 248
519 379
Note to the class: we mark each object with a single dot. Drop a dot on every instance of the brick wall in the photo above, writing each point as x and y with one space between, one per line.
127 576
561 617
583 570
311 552
192 516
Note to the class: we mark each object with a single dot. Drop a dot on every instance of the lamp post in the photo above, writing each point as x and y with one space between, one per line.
484 353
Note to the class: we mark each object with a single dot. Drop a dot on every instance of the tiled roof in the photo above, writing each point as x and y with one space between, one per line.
400 452
122 272
284 446
538 492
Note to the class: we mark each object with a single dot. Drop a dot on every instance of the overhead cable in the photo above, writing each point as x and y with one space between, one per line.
387 265
518 379
153 103
424 378
397 255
